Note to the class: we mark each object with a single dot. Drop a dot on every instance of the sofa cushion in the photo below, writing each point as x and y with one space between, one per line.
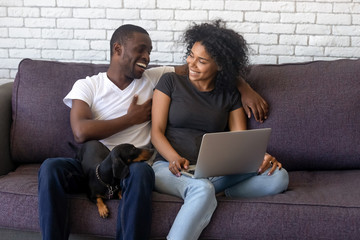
315 125
314 207
41 124
314 113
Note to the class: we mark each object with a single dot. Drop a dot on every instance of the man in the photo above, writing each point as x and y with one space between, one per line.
114 108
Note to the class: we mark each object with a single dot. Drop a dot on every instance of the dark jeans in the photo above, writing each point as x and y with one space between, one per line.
59 177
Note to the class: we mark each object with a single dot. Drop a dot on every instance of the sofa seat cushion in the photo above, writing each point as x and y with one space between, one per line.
316 201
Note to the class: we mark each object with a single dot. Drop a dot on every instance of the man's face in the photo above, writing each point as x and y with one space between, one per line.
135 55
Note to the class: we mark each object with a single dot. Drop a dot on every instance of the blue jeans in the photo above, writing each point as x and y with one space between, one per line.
59 177
199 195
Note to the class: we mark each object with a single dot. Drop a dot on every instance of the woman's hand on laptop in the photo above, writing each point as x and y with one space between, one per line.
178 164
269 162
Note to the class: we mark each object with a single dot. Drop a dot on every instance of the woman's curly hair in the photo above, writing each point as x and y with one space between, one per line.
225 46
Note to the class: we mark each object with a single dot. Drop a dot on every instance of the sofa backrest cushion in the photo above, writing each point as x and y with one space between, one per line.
41 124
314 113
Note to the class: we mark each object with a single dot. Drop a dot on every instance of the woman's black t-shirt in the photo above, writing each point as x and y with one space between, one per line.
193 113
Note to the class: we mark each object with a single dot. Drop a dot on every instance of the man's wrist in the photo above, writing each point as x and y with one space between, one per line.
242 85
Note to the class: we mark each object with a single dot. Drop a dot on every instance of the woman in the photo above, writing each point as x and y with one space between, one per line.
186 107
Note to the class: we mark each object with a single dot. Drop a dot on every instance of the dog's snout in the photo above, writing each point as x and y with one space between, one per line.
149 152
144 155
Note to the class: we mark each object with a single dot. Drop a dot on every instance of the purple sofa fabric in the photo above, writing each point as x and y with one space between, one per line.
314 112
317 204
38 109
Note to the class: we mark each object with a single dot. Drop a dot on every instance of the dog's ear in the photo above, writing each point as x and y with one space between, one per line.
120 169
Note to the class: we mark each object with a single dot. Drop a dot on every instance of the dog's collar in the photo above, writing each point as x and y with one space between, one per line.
110 188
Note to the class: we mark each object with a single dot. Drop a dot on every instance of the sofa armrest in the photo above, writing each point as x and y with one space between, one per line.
6 163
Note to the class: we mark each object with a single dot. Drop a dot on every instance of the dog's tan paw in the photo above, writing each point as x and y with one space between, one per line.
119 194
102 208
104 212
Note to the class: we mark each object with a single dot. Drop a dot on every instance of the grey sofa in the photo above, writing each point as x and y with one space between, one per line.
315 117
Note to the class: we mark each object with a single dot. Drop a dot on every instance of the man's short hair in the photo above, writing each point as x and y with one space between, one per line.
123 33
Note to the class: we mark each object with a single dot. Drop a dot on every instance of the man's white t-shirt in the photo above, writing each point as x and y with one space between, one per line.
107 101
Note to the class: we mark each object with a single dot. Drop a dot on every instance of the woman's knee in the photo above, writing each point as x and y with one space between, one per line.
205 186
203 190
281 180
277 182
261 185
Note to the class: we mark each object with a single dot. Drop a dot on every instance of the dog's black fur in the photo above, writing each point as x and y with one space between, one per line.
105 169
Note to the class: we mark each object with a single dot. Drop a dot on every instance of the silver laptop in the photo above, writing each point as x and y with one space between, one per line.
226 153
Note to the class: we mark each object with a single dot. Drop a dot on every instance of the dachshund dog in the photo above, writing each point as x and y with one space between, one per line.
105 169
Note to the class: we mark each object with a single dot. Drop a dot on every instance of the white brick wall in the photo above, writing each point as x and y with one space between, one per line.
277 31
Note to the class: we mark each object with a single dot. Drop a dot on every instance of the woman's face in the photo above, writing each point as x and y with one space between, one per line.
202 66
